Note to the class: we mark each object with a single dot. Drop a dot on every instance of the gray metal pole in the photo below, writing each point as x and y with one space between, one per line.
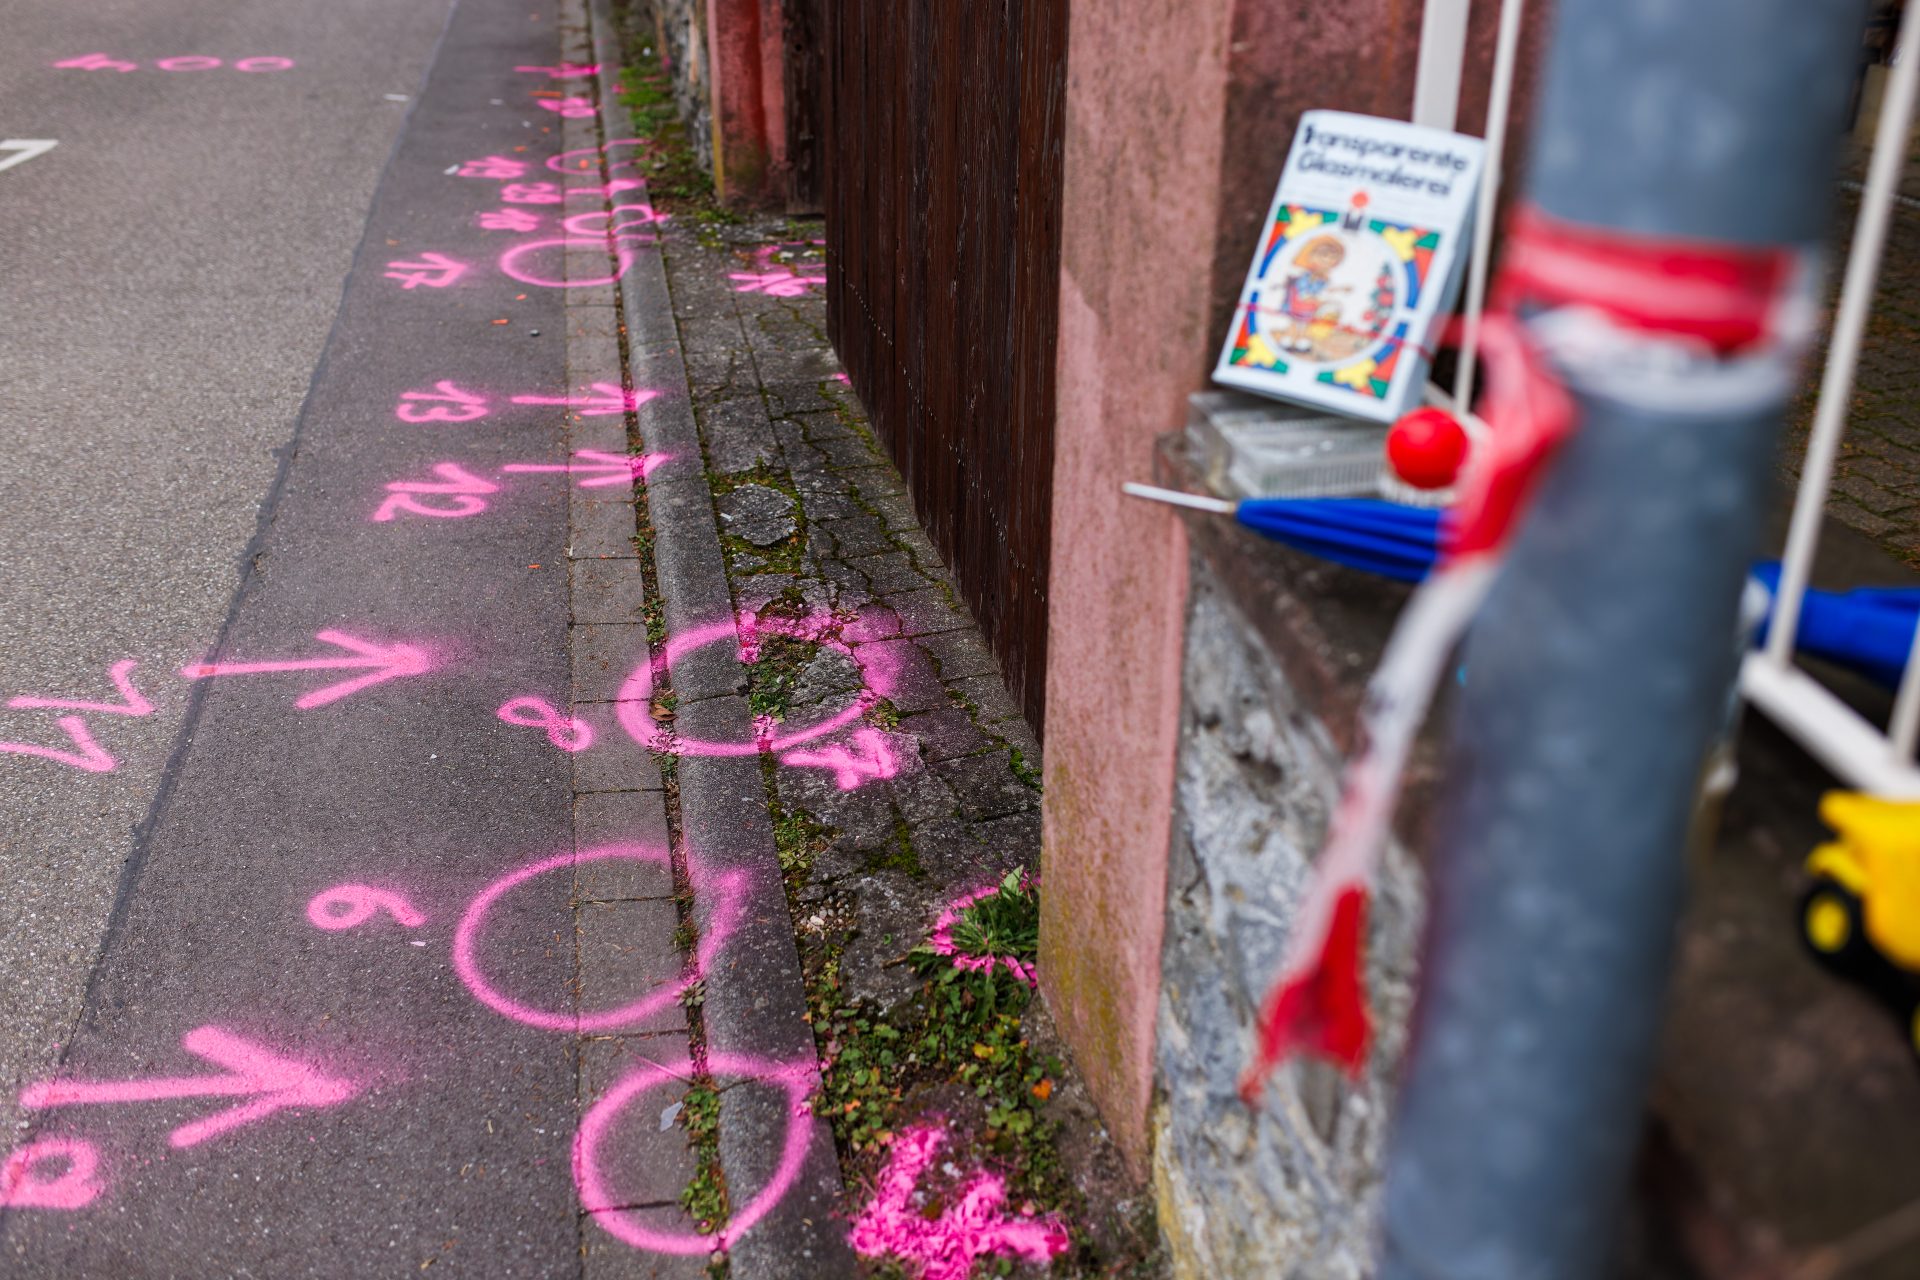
1599 670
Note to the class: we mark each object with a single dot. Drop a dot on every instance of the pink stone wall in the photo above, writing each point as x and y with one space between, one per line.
1179 115
1146 92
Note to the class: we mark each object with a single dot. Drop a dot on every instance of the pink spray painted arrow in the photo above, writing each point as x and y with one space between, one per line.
604 468
272 1082
607 398
869 757
389 662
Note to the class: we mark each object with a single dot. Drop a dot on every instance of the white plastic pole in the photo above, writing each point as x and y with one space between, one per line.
1849 325
1436 80
1499 104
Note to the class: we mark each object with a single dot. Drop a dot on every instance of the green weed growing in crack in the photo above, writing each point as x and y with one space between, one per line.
705 1195
1022 770
882 714
774 673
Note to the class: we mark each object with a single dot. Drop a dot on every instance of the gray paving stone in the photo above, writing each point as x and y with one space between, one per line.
763 516
1015 731
945 733
989 695
627 953
600 528
901 672
788 398
712 332
919 793
823 426
895 511
615 762
604 653
890 919
986 787
644 1156
1011 841
804 364
960 654
803 1237
847 453
621 818
825 496
952 853
607 591
856 536
874 482
738 436
927 612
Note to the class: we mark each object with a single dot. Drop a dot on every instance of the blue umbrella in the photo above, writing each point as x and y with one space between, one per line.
1868 629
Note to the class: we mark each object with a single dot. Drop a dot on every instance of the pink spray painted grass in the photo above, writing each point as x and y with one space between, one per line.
388 662
726 889
53 1173
265 1081
348 906
973 1225
989 956
605 1202
569 733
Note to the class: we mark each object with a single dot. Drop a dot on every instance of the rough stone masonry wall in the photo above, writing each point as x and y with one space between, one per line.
679 38
1288 1189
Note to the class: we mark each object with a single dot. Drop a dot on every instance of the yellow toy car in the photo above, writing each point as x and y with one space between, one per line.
1861 918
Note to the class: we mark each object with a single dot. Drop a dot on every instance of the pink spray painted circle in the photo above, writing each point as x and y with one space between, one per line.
467 936
600 1200
632 704
587 160
510 261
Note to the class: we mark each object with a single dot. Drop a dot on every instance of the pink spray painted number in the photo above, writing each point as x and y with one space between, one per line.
602 400
608 1205
184 62
498 168
444 403
90 756
971 1227
508 220
265 1081
348 906
570 108
433 271
29 1179
532 193
565 732
387 662
456 485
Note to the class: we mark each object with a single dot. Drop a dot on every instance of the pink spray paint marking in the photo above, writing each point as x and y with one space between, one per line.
121 673
433 271
565 71
607 192
870 757
191 62
270 1082
97 62
601 469
456 483
532 193
774 284
941 942
511 261
90 757
585 160
495 167
568 733
570 108
445 403
347 906
972 1227
607 399
606 1203
264 64
633 702
508 220
389 662
24 1186
622 217
466 940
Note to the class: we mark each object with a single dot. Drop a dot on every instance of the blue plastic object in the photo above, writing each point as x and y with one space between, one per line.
1868 629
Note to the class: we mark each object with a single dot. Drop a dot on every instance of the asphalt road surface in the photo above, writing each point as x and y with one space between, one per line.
205 1072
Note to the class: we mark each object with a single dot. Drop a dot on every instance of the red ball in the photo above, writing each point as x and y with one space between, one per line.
1426 447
